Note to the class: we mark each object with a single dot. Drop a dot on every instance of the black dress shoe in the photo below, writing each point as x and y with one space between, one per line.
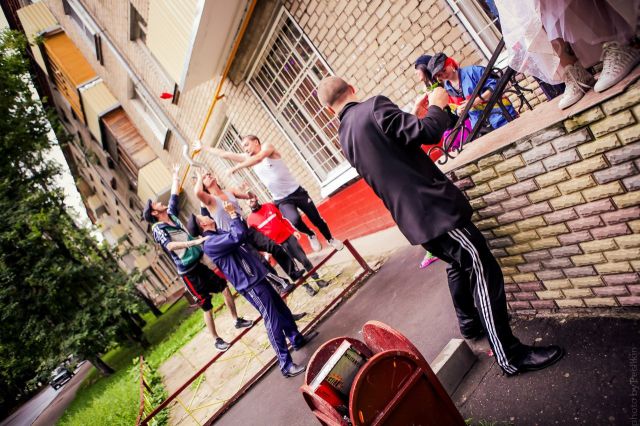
299 316
537 358
305 339
294 370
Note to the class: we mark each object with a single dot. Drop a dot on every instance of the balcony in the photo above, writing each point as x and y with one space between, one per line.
191 38
35 20
124 143
96 101
67 68
154 182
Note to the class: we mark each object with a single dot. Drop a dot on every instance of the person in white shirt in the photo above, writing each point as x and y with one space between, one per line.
287 193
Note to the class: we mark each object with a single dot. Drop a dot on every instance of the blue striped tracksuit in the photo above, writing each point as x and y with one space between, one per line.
246 273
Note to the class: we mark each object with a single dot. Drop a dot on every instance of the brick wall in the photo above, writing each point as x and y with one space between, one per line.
560 210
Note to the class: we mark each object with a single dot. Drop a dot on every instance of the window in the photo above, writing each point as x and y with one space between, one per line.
230 141
137 25
285 78
154 122
480 18
86 24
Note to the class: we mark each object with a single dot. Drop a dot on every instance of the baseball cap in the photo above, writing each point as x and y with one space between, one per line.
437 63
422 60
146 213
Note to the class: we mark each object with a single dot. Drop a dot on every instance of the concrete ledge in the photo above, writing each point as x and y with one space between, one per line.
453 363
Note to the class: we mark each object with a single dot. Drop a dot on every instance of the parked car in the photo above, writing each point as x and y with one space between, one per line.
60 376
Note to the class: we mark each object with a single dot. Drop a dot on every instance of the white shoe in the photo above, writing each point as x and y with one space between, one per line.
336 244
577 82
617 62
315 244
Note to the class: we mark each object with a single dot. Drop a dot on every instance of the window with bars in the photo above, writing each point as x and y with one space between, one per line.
285 79
230 141
480 18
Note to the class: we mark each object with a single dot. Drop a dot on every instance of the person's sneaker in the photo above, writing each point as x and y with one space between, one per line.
310 290
297 317
221 345
321 283
577 82
294 370
617 62
305 339
315 244
427 260
243 323
336 244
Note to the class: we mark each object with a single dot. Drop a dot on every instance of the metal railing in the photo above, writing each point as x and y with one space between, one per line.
144 406
504 77
366 271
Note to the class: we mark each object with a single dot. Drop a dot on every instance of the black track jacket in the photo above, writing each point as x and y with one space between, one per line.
383 144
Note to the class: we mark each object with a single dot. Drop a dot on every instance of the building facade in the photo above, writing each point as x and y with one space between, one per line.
136 81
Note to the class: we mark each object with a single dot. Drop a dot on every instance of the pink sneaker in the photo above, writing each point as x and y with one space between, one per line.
427 260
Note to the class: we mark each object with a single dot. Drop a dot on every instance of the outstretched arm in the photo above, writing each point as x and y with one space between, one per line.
266 149
177 245
227 155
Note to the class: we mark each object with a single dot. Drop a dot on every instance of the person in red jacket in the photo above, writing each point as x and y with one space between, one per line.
267 219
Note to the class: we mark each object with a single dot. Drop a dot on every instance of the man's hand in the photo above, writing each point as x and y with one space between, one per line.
229 208
439 97
176 171
297 235
196 145
229 172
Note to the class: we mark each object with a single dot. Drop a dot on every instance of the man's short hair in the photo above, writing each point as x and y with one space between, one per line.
252 138
331 90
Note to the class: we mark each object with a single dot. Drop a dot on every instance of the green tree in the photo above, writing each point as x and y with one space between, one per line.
60 291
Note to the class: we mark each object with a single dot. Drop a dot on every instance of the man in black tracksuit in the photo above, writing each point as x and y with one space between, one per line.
383 144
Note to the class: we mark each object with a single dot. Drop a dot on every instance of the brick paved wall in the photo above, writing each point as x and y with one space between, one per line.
561 209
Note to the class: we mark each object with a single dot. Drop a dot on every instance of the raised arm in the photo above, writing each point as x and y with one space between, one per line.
227 155
175 191
408 130
204 197
243 192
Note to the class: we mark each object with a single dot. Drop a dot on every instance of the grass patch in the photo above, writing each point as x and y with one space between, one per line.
114 400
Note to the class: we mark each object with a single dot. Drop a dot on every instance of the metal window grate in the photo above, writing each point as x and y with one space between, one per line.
285 78
230 141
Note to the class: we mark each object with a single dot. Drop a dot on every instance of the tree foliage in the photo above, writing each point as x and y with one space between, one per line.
60 291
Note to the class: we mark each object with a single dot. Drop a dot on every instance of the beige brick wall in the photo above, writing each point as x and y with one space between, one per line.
566 229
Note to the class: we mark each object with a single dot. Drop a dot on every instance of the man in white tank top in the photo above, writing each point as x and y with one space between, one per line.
287 193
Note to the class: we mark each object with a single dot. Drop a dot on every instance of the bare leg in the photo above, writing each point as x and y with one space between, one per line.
208 319
231 304
564 52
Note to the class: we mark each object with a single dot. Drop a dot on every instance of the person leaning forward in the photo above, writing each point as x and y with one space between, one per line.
383 144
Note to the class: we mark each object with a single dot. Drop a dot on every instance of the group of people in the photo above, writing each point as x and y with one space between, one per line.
386 145
218 245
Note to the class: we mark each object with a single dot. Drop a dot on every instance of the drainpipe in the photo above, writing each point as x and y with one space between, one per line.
223 77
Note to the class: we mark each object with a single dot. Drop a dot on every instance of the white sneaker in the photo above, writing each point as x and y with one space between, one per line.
315 244
617 61
336 244
577 82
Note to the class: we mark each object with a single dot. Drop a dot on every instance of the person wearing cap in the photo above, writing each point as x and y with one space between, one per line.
382 143
185 252
460 82
247 274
